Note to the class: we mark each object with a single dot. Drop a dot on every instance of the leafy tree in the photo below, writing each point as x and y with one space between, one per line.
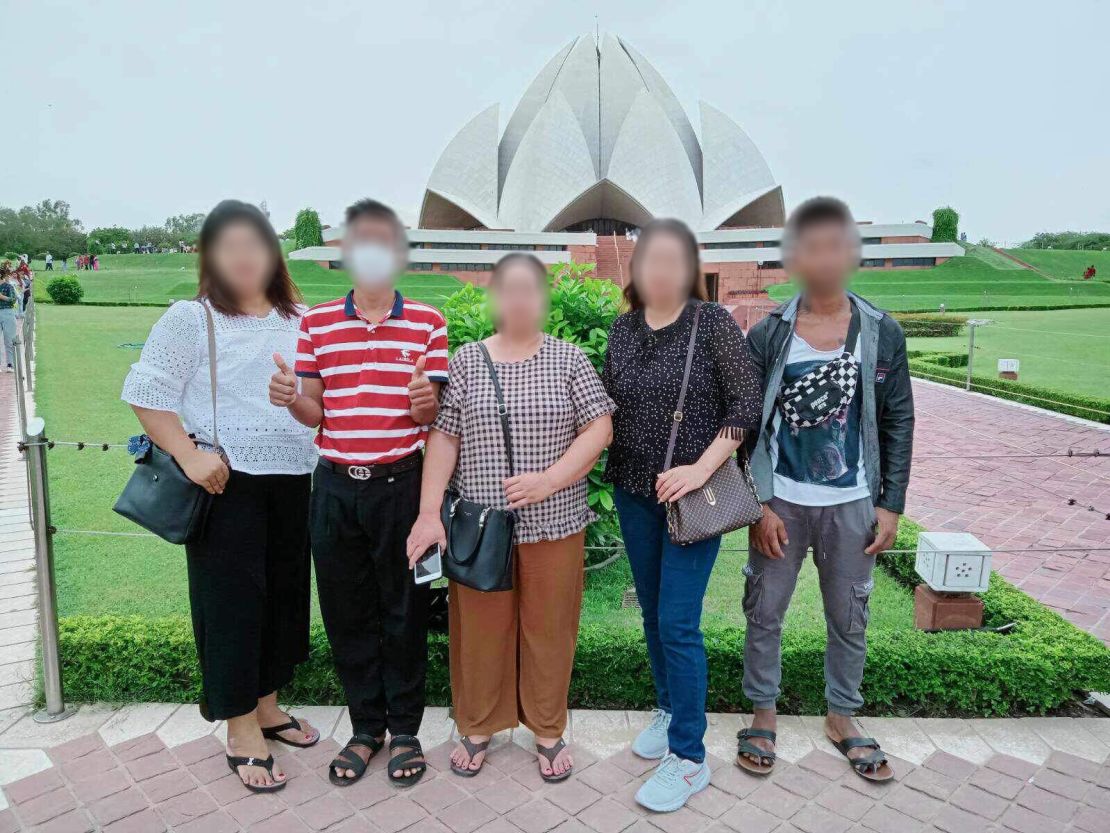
45 227
307 230
101 240
184 227
946 223
1078 240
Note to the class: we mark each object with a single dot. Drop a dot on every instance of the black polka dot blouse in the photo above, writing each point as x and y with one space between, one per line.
643 374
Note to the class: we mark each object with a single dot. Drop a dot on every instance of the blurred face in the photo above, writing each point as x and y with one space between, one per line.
663 271
518 302
243 260
824 257
372 252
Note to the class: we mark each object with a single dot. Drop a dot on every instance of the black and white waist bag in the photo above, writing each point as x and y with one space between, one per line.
826 390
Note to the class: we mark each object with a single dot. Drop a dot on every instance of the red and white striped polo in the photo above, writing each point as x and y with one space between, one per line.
366 367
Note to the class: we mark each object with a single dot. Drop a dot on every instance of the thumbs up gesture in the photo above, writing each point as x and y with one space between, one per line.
283 384
422 396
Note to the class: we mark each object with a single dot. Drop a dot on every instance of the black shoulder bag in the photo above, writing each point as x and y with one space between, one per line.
159 496
480 538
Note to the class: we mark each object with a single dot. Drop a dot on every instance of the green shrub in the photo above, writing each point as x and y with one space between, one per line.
65 290
307 230
946 223
935 325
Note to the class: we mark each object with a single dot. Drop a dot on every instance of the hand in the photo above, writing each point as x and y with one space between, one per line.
283 384
886 527
769 535
426 533
526 489
676 482
422 396
207 469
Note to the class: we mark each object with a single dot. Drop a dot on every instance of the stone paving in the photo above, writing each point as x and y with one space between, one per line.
1019 503
158 767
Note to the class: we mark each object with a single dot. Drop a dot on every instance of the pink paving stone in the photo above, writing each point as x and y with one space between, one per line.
433 794
76 748
1026 821
229 789
398 813
605 777
46 806
33 786
712 802
607 816
1014 767
1090 820
138 747
253 808
140 769
198 750
465 817
144 821
747 818
8 822
799 781
209 769
829 766
122 804
368 792
537 817
1046 803
89 766
184 808
1069 786
217 822
321 813
735 781
915 804
166 786
321 754
632 763
357 824
503 796
302 788
978 801
950 765
572 796
884 819
75 821
776 801
682 820
286 822
845 802
932 783
814 818
954 820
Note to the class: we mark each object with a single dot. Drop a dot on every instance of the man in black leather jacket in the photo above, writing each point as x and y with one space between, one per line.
835 484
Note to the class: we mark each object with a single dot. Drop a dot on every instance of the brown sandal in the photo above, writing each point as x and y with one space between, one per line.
745 748
551 753
873 767
472 749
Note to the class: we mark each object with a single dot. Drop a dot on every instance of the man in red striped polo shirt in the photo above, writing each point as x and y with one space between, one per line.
370 366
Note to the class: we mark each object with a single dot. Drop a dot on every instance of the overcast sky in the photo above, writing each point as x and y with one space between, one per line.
133 111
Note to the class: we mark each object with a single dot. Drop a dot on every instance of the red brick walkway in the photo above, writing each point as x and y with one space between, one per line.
1019 503
140 786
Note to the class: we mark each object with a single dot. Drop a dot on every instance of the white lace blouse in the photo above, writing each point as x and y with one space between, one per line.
172 375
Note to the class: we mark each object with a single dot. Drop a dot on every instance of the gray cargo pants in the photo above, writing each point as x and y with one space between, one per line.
838 536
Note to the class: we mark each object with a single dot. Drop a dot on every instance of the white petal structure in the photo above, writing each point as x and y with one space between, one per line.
598 135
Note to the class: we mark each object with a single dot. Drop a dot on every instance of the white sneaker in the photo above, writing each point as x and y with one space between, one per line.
652 741
672 784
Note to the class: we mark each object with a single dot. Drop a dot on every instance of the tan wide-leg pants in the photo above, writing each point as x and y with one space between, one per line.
512 652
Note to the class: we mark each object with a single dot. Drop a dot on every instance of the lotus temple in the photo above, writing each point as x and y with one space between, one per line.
597 146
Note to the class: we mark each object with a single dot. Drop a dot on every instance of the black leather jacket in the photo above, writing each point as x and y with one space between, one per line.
887 416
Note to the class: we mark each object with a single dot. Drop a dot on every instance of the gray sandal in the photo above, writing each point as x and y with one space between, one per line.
551 753
472 749
745 748
873 767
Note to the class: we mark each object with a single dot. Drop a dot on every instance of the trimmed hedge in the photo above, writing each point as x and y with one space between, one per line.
935 325
947 369
1037 667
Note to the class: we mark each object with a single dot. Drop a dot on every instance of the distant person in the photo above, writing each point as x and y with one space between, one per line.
24 258
96 263
135 248
65 264
1089 272
49 262
11 308
26 276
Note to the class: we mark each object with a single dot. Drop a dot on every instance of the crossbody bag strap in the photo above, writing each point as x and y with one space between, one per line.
502 408
211 327
677 420
853 332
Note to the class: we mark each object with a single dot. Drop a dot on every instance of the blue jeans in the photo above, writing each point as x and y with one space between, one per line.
670 584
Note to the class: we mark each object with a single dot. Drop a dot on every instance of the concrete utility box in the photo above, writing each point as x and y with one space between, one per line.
953 562
933 611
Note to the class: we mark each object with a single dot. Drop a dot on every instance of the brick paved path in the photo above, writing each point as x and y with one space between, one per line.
140 785
1019 503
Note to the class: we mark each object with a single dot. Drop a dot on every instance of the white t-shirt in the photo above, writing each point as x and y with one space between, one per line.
822 465
172 375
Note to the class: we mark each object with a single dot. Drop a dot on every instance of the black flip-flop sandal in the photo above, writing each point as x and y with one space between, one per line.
268 764
472 749
274 733
745 747
406 760
867 766
551 753
349 759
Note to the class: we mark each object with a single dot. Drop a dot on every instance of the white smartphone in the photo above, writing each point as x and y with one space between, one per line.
429 567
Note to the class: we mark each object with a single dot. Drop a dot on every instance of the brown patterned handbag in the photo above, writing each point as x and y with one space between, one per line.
727 501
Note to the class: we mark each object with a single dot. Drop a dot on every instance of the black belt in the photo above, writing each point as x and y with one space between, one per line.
374 470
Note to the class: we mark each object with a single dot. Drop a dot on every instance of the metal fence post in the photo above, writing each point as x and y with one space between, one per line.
970 352
55 710
20 386
28 336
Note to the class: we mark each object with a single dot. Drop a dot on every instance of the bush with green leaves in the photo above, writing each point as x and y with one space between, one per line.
307 230
65 290
946 222
931 325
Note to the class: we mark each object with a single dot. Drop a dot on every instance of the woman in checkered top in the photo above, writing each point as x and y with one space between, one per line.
512 651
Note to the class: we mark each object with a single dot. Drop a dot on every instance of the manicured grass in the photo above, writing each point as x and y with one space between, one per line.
966 283
81 367
1067 349
1066 264
160 278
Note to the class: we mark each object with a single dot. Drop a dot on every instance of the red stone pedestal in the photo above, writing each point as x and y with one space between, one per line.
933 611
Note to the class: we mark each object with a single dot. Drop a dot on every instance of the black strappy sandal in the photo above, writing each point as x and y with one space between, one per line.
235 762
273 733
406 760
472 749
349 759
745 747
868 766
551 753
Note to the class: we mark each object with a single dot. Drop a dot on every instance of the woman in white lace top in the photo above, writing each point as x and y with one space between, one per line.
249 571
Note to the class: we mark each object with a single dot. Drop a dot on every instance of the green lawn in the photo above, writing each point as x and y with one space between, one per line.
160 278
1066 349
966 283
1066 264
81 367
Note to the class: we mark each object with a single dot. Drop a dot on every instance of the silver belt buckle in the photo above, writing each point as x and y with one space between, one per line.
359 472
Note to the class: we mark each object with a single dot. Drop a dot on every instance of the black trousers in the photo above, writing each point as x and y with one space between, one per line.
376 617
249 585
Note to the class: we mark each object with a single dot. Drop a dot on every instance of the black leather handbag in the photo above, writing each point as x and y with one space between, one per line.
159 496
480 538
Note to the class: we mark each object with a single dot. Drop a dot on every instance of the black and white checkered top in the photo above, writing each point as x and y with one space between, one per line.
550 396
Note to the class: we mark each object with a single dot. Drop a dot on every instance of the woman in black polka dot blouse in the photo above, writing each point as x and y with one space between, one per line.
643 372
